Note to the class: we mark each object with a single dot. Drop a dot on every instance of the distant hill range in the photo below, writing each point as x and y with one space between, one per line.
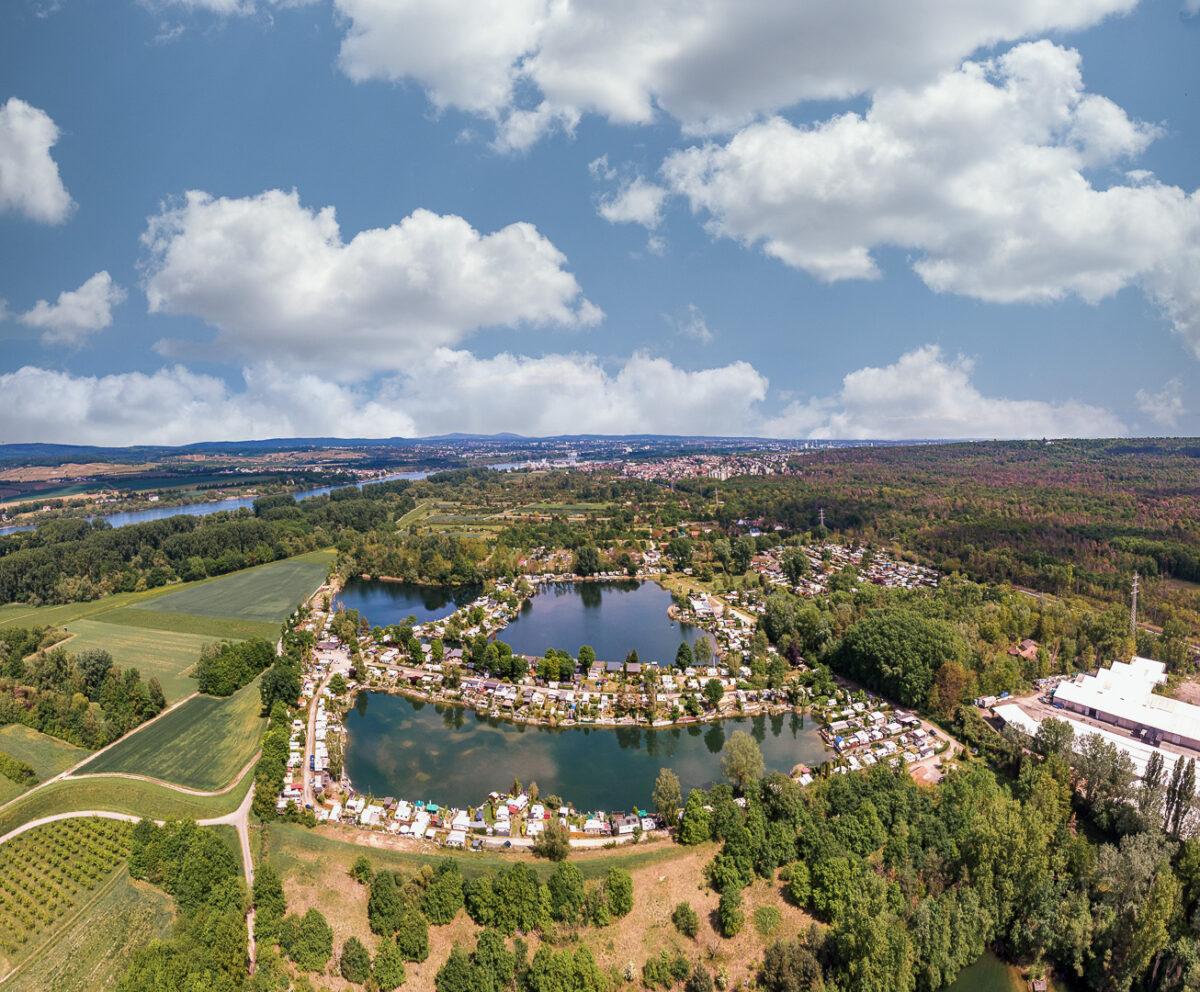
9 452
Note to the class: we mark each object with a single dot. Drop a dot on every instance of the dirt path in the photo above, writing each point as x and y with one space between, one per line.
171 785
239 819
95 754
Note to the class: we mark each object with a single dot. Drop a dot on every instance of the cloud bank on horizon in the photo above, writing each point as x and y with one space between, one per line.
868 208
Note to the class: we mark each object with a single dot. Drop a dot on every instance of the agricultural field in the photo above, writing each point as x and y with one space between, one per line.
201 745
48 755
130 796
266 593
165 655
94 949
24 615
205 628
51 874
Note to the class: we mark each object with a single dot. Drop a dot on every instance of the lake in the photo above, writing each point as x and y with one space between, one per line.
988 974
613 617
386 603
409 749
204 509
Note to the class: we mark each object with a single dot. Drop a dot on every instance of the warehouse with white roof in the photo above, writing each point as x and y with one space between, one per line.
1139 752
1124 695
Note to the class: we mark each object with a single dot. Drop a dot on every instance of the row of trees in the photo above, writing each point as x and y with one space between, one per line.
82 698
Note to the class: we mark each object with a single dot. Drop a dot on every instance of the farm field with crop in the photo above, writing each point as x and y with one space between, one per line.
201 745
162 654
205 628
266 593
130 796
49 875
94 948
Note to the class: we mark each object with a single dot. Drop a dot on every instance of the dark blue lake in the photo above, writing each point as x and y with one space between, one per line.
613 617
386 603
413 750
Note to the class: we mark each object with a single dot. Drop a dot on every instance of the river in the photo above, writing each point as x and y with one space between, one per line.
204 509
409 749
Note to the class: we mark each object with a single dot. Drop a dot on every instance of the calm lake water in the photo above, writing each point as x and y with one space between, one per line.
386 603
204 509
613 617
413 750
988 974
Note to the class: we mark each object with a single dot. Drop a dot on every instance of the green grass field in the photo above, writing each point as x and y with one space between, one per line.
48 755
201 745
266 593
166 655
24 615
120 796
206 628
92 948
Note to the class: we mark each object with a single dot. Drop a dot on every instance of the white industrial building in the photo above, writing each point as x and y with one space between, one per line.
1139 752
1124 695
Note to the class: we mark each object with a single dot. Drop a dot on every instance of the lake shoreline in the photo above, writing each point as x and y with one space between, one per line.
676 731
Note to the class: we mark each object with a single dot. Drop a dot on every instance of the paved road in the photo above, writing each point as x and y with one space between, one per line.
310 740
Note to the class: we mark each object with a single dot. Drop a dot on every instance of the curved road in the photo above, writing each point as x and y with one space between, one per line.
239 819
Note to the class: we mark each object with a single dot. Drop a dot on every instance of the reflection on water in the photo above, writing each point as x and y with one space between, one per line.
614 618
387 603
408 748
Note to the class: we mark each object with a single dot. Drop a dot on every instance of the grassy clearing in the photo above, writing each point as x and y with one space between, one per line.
314 563
266 593
94 949
48 755
165 655
130 796
201 745
47 875
205 628
418 513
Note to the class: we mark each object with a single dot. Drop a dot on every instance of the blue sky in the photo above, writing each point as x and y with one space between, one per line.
243 218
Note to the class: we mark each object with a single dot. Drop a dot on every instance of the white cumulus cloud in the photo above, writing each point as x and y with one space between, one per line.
77 312
1165 406
983 174
177 406
924 395
711 64
279 282
448 391
635 202
29 179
